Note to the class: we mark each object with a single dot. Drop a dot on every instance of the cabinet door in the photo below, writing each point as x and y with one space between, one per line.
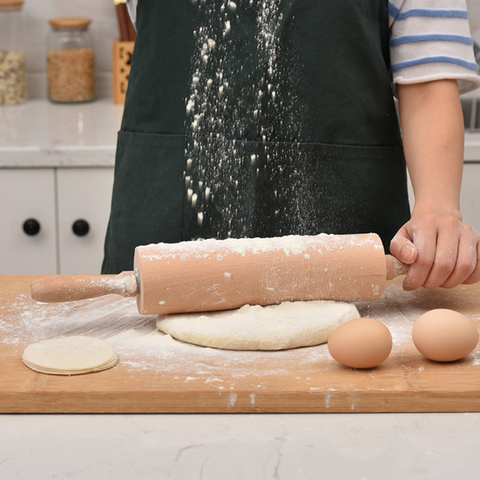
84 198
470 196
27 194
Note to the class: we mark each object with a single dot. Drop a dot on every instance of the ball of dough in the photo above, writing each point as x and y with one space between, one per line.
275 327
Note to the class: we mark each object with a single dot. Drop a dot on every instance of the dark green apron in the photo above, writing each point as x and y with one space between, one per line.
257 118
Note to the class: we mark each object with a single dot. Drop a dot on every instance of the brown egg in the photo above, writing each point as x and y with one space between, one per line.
444 335
360 343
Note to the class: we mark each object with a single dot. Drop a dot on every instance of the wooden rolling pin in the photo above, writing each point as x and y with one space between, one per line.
208 275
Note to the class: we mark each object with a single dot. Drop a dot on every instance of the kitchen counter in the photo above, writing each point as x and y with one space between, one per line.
157 374
346 446
241 447
209 446
41 134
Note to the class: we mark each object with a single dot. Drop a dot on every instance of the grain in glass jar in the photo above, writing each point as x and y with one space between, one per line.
13 85
71 61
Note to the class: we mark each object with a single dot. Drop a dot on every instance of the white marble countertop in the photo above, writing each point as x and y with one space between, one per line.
40 134
250 447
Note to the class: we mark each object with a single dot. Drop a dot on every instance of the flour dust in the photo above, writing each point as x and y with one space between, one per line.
240 116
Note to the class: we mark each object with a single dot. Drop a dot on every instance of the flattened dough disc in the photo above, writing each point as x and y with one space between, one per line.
70 355
275 327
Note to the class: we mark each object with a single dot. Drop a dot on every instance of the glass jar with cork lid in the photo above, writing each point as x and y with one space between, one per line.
70 61
13 85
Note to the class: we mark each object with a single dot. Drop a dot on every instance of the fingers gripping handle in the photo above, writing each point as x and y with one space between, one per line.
395 267
67 288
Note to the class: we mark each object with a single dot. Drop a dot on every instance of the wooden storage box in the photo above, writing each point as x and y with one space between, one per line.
122 58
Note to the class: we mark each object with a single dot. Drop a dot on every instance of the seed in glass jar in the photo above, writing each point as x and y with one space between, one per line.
13 84
71 75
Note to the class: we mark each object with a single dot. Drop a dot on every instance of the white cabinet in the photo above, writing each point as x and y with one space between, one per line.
470 197
84 197
56 199
27 194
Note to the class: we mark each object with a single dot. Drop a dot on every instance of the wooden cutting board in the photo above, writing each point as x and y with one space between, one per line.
157 374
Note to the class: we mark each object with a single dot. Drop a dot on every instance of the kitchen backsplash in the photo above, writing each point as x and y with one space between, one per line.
104 28
474 15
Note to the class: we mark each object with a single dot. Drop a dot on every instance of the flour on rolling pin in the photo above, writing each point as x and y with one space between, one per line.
211 275
289 245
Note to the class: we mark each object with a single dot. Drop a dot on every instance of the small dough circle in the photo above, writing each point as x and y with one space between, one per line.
274 327
70 355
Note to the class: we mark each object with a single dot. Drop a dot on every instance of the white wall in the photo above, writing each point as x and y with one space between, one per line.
474 15
103 28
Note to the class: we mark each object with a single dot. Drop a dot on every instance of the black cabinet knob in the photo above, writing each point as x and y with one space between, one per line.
31 226
80 228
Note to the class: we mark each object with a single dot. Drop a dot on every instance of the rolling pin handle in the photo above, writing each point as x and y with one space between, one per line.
67 288
395 267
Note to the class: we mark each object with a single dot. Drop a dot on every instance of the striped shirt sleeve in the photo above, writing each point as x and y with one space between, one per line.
430 40
132 10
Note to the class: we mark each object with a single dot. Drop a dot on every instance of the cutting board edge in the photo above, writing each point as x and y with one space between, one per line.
238 402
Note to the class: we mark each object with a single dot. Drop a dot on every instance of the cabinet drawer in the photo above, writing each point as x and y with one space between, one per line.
84 198
24 195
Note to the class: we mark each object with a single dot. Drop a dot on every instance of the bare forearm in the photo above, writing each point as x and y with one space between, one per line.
442 250
433 137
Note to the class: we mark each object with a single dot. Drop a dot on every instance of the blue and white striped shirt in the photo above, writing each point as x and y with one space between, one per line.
429 40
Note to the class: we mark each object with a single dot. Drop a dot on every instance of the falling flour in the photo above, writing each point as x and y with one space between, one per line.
233 106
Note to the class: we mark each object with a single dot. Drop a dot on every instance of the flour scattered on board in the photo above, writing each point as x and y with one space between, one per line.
232 400
142 348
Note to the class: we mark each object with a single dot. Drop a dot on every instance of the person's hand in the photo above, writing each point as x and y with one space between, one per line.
442 252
